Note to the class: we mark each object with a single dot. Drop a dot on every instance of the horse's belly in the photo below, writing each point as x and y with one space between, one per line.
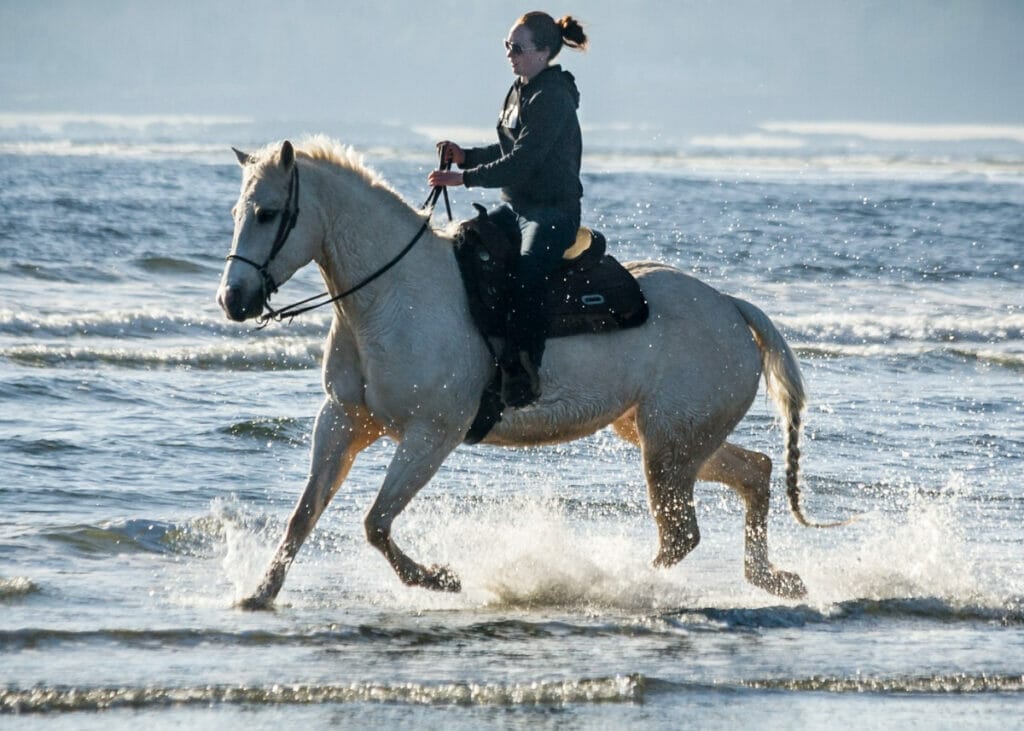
550 423
587 382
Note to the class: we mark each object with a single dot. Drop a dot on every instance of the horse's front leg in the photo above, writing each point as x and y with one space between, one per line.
416 460
339 435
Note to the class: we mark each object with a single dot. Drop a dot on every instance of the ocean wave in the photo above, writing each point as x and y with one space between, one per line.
632 688
673 624
925 608
283 429
1011 361
213 152
118 135
804 149
336 636
867 328
912 353
169 265
901 132
749 141
116 537
947 684
59 122
200 537
262 355
989 339
752 156
936 684
769 165
62 699
140 323
16 588
47 447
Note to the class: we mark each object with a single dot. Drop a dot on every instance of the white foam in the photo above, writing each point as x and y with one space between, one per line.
753 141
897 132
16 587
462 135
56 122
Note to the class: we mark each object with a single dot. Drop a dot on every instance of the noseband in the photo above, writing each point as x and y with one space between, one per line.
289 216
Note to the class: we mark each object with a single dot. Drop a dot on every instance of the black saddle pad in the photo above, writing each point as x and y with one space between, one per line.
590 293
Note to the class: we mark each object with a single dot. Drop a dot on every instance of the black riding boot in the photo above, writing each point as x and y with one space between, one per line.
520 383
544 235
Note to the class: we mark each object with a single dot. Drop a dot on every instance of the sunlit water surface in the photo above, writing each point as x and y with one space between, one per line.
152 451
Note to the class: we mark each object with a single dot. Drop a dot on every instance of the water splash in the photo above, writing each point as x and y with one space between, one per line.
921 550
247 547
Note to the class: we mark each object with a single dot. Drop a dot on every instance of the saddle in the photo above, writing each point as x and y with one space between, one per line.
590 293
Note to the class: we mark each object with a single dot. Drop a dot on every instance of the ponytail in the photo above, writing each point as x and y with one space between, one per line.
572 33
550 34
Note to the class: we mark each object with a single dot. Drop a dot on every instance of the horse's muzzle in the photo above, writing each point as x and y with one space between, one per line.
236 305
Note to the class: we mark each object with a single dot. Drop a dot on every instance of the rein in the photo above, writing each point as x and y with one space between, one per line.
324 298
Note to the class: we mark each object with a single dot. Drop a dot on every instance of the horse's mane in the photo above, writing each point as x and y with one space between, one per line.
321 148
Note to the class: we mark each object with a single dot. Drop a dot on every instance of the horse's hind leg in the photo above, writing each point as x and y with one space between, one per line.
338 436
749 474
670 476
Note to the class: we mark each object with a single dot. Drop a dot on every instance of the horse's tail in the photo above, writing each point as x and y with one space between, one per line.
786 388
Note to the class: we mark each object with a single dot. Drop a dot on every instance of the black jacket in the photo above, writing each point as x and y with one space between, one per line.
537 159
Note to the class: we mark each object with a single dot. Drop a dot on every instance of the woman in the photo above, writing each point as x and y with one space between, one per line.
536 163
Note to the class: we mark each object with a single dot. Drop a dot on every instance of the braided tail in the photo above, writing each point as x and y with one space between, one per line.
793 424
786 388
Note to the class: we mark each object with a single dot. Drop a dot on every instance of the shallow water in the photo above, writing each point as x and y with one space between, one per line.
152 451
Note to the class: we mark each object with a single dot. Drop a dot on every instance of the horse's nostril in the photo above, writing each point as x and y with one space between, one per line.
231 301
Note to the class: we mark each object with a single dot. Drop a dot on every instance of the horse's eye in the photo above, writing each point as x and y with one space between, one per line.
264 215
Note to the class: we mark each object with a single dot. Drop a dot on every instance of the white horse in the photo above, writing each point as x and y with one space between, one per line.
403 359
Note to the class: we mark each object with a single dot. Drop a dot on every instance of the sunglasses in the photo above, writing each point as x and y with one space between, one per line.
515 49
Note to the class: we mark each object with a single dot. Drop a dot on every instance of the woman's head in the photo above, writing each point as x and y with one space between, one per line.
553 34
536 38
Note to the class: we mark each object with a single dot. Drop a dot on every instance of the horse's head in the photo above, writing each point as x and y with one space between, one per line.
265 251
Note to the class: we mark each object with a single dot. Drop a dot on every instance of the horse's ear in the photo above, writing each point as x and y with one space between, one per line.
287 155
244 158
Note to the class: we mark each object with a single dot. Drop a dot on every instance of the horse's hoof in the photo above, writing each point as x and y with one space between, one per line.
669 556
780 583
789 585
256 603
442 578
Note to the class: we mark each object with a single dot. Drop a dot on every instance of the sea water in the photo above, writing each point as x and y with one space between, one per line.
151 452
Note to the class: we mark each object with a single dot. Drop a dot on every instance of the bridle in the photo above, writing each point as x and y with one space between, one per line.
288 218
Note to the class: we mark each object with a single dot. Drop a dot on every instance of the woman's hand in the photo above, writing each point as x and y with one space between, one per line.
451 152
444 178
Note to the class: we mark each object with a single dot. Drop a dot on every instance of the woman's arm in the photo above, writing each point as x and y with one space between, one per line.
548 111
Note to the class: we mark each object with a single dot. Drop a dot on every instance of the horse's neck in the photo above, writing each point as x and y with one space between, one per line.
366 227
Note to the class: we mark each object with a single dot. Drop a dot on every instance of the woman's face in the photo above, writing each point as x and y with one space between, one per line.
527 60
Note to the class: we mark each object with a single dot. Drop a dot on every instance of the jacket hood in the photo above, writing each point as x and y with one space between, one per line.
555 76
